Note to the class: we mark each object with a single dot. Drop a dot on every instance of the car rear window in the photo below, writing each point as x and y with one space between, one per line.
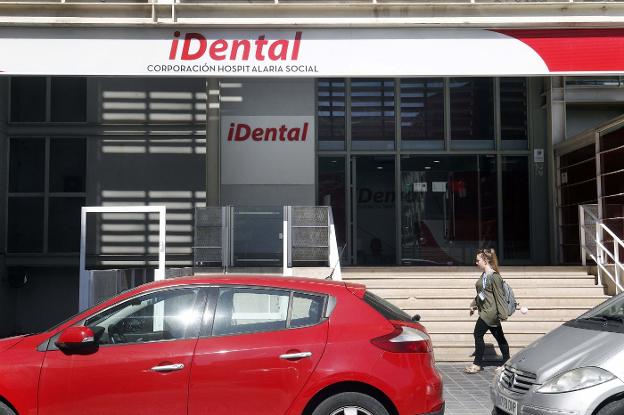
385 308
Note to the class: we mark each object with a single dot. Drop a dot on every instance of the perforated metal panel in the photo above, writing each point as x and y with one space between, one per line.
207 242
309 233
310 216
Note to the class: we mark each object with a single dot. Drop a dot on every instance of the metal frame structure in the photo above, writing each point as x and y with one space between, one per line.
600 253
85 287
326 13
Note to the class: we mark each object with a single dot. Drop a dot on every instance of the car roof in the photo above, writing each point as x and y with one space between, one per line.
296 283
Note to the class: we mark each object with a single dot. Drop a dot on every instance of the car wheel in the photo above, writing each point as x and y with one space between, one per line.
612 408
350 403
5 410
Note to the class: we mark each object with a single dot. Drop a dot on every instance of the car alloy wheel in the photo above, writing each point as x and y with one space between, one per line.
351 410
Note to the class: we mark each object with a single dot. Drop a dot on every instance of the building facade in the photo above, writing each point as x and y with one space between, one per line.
431 129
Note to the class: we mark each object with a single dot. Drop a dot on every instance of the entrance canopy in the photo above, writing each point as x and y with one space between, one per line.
306 52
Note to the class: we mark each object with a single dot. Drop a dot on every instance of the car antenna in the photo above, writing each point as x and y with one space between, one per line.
331 274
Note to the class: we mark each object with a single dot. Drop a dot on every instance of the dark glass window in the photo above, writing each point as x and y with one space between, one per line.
68 99
516 207
612 179
331 192
442 200
331 114
29 193
64 224
67 164
28 99
25 226
372 114
307 309
26 165
422 113
472 112
513 112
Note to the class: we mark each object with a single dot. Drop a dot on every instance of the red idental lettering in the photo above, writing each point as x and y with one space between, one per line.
231 131
259 45
295 52
242 132
174 46
218 46
195 47
187 55
257 134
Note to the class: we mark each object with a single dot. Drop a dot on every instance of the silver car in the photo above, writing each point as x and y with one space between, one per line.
577 369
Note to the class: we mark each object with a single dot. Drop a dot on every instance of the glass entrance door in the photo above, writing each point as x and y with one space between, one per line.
373 213
448 208
257 236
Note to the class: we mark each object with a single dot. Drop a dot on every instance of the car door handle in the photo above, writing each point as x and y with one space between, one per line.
168 368
294 356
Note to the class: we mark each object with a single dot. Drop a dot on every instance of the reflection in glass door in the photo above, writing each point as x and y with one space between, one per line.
373 219
448 208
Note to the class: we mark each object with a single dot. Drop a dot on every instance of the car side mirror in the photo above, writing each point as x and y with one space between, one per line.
416 318
77 339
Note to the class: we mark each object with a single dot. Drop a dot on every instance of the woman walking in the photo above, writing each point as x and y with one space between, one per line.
492 309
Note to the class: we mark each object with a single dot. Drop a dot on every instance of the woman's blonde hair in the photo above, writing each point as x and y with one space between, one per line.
489 255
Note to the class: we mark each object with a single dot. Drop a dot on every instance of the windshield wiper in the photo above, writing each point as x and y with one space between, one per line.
613 317
603 318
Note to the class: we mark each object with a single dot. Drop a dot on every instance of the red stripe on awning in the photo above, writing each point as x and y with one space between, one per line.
575 50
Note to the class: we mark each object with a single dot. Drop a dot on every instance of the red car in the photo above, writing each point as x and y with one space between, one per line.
226 345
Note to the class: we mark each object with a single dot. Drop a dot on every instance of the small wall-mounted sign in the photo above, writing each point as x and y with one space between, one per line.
564 177
538 155
438 187
420 186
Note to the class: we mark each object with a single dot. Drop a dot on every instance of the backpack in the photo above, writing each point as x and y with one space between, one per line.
509 298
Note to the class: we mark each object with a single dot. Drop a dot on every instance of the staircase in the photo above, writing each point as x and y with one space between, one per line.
442 295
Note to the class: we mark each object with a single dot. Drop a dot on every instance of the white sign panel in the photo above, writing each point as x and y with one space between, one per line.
420 187
284 53
438 187
267 150
538 155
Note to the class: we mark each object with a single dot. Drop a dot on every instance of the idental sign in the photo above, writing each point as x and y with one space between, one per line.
195 46
311 52
267 149
242 132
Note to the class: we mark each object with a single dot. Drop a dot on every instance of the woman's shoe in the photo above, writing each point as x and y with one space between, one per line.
472 369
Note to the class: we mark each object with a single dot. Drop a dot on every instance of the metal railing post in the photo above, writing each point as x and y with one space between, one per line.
582 235
616 254
599 253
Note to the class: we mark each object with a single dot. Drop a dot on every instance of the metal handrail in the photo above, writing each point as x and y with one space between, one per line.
601 251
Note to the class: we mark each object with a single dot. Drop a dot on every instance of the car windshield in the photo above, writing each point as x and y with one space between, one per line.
612 310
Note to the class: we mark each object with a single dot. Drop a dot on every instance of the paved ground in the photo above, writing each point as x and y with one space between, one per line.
466 394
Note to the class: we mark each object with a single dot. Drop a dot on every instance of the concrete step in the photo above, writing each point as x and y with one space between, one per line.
463 302
520 292
467 339
558 314
454 275
442 295
468 268
465 354
469 283
509 326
